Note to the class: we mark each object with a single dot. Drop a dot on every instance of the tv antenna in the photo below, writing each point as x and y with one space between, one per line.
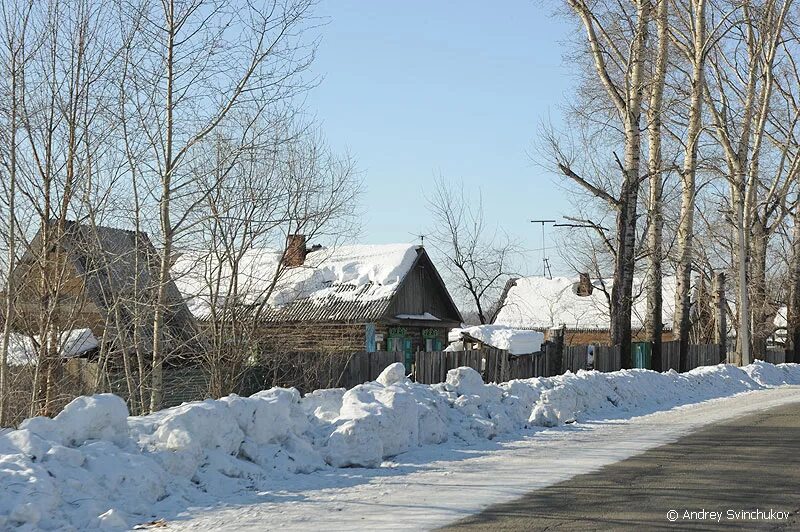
421 238
546 272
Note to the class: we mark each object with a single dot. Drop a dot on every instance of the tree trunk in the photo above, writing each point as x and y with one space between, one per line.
742 357
762 316
10 291
682 319
720 314
793 305
622 291
156 377
654 319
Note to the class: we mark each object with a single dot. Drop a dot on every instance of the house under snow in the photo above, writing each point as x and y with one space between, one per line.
346 298
579 306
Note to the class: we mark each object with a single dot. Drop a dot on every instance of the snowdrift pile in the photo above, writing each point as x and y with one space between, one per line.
92 466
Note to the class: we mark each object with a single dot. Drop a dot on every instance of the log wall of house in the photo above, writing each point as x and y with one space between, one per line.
332 337
598 337
311 337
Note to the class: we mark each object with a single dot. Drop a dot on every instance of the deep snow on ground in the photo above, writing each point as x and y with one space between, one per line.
94 467
437 485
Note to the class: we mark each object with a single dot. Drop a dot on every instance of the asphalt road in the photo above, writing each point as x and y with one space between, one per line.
749 464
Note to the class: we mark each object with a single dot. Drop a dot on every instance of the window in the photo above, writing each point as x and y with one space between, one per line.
394 344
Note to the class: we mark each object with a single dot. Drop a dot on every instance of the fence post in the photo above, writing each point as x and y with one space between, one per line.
558 354
720 325
503 366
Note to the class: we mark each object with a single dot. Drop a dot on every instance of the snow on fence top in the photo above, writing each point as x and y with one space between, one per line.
541 303
344 274
515 341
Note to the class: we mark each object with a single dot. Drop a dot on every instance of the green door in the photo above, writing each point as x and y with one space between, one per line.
409 354
642 355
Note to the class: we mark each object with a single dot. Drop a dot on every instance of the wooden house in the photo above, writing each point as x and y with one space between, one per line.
103 279
580 306
341 299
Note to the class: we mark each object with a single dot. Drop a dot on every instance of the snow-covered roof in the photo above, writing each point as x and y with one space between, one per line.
541 303
340 283
515 341
22 349
426 316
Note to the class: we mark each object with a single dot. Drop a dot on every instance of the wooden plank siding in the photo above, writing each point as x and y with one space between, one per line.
606 358
423 291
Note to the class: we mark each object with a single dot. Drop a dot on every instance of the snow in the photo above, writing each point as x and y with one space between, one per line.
392 374
93 467
515 341
424 316
23 350
434 486
362 272
541 303
781 317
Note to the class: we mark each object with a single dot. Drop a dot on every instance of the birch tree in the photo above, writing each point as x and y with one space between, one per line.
13 56
616 43
738 95
655 228
690 37
195 62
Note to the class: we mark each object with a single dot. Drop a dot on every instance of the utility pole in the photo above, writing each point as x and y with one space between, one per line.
546 272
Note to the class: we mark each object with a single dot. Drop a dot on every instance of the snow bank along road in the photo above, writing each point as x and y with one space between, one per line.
390 453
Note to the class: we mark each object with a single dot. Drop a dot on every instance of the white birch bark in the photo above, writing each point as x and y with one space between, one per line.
696 53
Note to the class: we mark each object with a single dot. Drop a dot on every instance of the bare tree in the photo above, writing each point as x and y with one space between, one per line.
479 260
738 94
290 184
14 54
655 224
690 37
617 53
196 62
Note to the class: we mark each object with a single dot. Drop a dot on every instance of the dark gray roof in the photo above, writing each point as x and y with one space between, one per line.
119 267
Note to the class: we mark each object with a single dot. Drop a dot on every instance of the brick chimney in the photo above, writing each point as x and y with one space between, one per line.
295 251
585 286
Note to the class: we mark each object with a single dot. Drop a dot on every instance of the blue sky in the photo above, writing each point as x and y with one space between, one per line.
414 89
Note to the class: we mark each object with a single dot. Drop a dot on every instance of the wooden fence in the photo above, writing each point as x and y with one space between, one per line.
496 365
606 358
499 366
432 366
304 371
773 356
313 371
